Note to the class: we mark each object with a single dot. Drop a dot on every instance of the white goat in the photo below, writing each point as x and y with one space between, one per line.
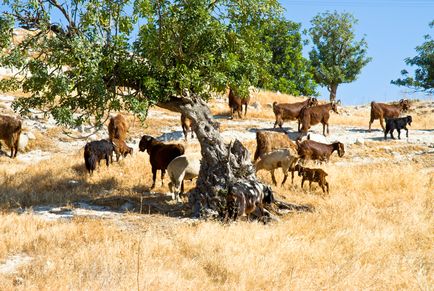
282 158
185 167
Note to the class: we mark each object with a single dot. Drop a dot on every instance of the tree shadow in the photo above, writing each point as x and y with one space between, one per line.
46 188
171 136
361 130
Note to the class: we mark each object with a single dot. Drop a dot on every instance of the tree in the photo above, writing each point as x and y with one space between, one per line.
336 56
423 79
184 50
289 72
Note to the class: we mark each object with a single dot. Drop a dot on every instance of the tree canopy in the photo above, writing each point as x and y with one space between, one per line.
289 72
336 56
423 79
73 68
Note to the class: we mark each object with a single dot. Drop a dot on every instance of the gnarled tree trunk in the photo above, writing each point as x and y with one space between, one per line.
225 169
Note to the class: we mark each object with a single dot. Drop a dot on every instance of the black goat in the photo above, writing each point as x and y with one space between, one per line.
95 151
398 124
160 155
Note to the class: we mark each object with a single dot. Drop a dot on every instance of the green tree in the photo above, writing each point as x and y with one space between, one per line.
288 72
336 56
184 50
423 79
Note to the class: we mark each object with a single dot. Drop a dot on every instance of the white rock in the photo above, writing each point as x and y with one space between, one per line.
30 135
360 141
23 142
317 137
256 105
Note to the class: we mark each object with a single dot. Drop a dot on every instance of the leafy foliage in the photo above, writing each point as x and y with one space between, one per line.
336 56
423 79
289 72
76 69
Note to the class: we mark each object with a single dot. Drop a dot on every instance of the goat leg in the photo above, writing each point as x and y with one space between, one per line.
162 177
399 133
273 177
284 179
381 123
154 177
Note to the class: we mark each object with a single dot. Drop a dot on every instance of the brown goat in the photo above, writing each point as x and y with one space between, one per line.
312 150
310 116
267 141
118 127
313 175
160 155
121 148
10 131
381 111
236 103
187 125
291 111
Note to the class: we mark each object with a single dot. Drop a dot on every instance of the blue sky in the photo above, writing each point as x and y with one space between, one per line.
392 30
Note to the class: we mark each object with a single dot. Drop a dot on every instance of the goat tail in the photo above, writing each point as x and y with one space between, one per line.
274 104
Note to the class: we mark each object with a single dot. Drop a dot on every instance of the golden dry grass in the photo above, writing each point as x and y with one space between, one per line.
372 234
373 231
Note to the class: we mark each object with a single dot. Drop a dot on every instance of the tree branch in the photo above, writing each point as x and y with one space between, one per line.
71 22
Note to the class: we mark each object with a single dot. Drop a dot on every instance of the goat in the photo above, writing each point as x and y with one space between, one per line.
187 124
95 151
10 131
236 103
267 141
121 148
245 198
310 116
160 155
118 127
185 167
381 110
278 159
310 149
398 124
291 111
313 175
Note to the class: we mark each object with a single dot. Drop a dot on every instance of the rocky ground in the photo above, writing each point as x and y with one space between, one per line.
358 141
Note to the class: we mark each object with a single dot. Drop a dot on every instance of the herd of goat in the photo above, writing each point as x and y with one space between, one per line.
274 149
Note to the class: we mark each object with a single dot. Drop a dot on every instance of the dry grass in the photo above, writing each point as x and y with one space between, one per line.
375 233
374 230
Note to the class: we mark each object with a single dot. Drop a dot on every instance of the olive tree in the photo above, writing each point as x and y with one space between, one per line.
336 56
423 79
79 53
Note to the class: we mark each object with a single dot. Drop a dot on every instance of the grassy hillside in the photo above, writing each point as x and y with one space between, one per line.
374 230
